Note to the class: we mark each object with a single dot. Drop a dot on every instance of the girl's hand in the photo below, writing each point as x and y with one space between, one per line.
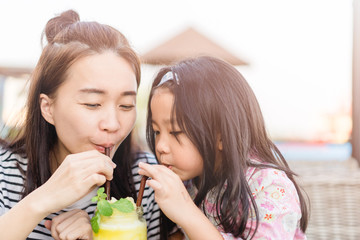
77 176
170 192
74 224
174 200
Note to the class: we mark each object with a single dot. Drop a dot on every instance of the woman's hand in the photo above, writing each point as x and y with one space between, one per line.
170 192
77 175
74 224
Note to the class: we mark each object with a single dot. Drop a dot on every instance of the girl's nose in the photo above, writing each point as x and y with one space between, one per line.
161 145
110 121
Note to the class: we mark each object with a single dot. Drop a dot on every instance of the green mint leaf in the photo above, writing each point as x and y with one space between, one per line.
95 199
100 191
95 222
123 205
104 207
103 196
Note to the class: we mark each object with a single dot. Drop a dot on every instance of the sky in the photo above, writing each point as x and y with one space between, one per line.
299 52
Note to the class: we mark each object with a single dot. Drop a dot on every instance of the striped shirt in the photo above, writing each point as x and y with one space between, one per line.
12 183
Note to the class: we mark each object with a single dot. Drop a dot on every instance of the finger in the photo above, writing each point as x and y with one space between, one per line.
158 172
58 220
143 172
79 229
151 171
80 158
93 180
90 166
99 166
154 184
48 224
75 226
64 220
107 159
87 154
54 233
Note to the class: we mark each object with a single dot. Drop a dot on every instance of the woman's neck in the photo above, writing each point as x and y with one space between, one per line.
56 158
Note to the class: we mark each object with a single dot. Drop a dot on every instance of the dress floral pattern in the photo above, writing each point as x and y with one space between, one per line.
277 202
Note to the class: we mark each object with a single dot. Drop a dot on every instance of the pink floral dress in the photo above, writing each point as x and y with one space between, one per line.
277 202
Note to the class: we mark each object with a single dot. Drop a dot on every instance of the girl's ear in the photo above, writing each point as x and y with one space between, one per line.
46 108
219 143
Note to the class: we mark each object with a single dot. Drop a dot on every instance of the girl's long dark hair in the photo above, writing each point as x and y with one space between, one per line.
213 99
68 40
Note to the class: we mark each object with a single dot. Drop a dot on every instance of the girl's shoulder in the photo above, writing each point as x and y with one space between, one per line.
268 175
277 203
266 180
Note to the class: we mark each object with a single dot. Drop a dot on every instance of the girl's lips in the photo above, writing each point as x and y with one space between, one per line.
167 165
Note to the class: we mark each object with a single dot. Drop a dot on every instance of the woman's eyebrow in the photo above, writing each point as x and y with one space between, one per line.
100 91
128 93
92 90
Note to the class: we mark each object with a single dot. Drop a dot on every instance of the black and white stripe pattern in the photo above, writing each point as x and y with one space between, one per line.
151 209
12 181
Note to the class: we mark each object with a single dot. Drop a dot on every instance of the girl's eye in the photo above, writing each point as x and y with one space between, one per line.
156 133
127 107
176 133
92 105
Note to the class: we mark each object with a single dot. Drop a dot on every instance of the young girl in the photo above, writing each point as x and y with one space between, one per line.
205 125
82 99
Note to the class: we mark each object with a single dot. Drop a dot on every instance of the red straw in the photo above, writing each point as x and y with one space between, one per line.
107 183
141 191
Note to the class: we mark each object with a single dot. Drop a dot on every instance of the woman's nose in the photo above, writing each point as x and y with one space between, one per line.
110 121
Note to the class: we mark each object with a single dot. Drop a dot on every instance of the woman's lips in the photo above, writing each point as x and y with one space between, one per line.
101 148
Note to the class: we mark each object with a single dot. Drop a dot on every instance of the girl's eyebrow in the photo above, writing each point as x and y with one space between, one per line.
102 92
166 122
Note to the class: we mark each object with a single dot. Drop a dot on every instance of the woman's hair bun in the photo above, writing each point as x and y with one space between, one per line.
58 23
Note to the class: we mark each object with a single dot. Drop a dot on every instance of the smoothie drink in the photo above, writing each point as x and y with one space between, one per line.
117 219
130 226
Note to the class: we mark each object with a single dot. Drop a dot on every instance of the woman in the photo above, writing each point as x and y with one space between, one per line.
82 99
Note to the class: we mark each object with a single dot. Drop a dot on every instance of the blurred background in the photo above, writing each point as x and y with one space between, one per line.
296 55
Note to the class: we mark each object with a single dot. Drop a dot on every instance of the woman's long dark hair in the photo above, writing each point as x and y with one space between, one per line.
213 99
68 40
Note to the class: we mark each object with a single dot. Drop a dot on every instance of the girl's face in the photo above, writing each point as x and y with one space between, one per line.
173 148
95 107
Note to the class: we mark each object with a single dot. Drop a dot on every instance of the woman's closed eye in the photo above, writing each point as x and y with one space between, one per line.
127 107
92 105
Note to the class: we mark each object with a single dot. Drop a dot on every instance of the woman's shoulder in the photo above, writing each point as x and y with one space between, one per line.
143 156
12 177
9 158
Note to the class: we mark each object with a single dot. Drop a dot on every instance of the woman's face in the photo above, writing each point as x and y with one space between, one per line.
95 107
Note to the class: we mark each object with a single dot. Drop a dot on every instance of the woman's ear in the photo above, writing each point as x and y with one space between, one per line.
46 108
